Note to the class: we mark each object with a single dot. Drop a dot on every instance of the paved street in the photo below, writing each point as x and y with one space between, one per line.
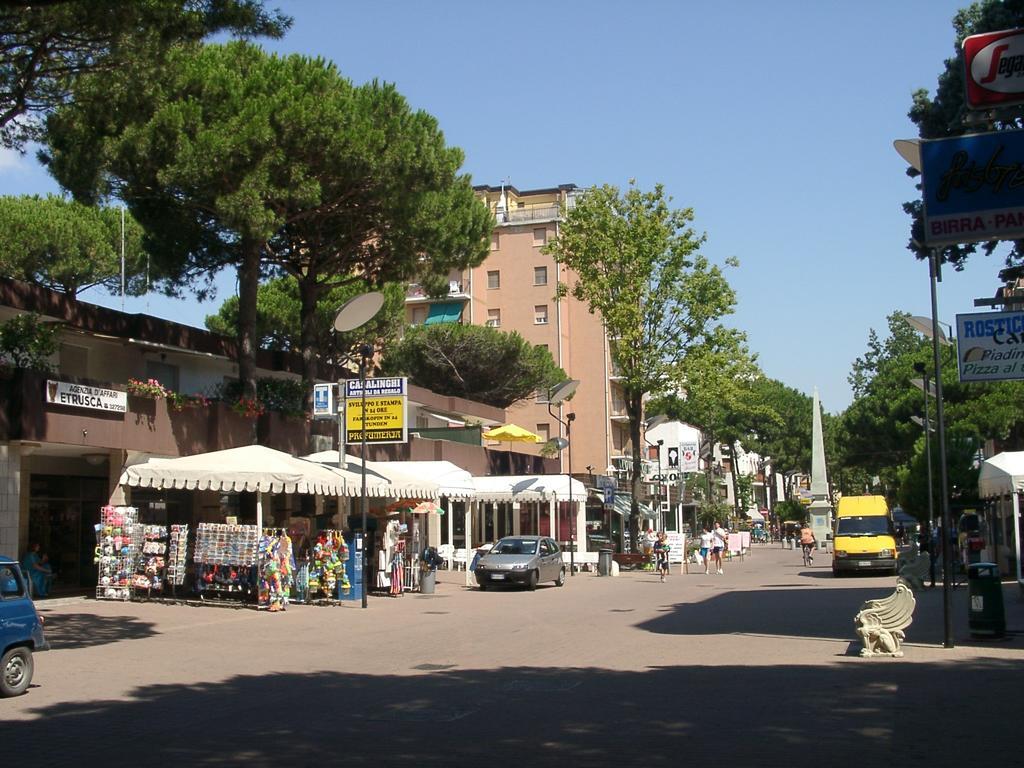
751 668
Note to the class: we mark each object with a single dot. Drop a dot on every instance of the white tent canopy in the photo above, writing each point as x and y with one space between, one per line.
383 478
253 468
527 488
452 480
1001 475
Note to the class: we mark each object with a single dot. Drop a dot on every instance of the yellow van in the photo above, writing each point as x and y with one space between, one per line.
864 538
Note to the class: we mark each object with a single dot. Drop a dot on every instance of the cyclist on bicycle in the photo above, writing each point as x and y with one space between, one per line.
807 542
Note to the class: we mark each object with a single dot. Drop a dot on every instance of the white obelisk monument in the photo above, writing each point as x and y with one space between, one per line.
820 510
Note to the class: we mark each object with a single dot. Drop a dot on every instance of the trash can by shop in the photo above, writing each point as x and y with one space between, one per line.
986 614
604 562
428 580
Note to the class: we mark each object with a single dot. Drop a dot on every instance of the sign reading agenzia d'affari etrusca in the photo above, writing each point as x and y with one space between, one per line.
973 188
990 346
85 396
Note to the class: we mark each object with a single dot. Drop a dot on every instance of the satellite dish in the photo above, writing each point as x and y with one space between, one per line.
563 391
358 310
909 150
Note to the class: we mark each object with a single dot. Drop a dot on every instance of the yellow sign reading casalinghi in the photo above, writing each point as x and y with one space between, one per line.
385 419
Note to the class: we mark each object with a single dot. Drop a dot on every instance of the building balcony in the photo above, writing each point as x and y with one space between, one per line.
149 425
528 214
417 294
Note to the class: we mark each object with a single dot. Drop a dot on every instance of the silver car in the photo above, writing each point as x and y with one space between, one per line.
521 560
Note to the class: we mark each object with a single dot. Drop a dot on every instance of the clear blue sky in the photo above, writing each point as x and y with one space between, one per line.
774 121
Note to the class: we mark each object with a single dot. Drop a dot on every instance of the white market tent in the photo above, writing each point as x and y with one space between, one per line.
528 488
1003 475
383 478
253 468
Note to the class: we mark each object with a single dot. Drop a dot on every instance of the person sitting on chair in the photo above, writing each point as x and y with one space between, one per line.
37 568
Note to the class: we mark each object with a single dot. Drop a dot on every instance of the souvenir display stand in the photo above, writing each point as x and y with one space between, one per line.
276 569
177 556
326 579
225 558
117 536
151 564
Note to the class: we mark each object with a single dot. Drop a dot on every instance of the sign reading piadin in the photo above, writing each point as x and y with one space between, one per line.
386 410
973 188
990 346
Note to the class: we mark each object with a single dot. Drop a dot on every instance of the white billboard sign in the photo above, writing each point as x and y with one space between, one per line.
990 346
85 396
689 457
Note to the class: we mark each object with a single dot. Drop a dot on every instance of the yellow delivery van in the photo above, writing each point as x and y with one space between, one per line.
864 539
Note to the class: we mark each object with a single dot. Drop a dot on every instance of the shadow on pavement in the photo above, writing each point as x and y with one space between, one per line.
83 630
792 716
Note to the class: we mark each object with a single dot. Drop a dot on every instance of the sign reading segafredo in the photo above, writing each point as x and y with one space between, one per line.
994 69
84 396
973 188
990 346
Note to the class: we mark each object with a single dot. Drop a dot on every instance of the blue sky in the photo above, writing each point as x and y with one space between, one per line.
773 121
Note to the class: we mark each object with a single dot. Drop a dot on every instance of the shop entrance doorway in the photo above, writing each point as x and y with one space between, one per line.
61 514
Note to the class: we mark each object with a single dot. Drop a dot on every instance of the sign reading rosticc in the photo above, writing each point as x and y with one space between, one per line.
973 188
85 396
990 346
386 407
994 69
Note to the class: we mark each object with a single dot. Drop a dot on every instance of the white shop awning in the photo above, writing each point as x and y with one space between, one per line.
249 468
383 478
1001 475
528 488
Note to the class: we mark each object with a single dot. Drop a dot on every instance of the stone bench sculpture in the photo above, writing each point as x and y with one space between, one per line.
914 569
880 623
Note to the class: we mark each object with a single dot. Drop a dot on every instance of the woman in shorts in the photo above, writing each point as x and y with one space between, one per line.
706 539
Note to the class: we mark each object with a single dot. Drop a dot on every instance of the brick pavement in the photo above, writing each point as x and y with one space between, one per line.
749 668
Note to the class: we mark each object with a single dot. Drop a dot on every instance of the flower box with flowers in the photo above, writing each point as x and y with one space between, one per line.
180 402
149 388
249 407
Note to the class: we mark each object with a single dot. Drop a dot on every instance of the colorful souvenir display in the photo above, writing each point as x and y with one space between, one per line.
219 544
117 547
327 566
176 555
277 567
152 560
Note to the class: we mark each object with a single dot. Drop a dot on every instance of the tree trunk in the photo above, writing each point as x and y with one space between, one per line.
634 410
309 293
248 285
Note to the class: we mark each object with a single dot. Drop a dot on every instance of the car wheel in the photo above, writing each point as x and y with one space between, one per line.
534 578
561 578
15 671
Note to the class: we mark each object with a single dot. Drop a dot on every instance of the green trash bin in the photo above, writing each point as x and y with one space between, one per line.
986 614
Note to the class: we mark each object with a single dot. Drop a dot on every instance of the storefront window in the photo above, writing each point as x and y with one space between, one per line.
62 512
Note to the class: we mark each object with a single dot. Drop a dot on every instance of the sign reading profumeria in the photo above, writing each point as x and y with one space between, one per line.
386 411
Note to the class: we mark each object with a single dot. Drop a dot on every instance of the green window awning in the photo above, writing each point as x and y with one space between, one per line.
444 313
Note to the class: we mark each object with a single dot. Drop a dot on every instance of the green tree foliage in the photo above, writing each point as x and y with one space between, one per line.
279 324
637 263
27 342
45 47
234 157
961 453
947 115
474 362
786 439
67 246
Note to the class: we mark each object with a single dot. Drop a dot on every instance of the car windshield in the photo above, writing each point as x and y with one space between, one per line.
515 547
877 525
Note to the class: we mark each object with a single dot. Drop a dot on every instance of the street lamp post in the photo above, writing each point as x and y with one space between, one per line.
933 331
927 424
354 313
557 396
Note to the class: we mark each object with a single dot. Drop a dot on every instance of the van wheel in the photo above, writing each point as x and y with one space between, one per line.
15 672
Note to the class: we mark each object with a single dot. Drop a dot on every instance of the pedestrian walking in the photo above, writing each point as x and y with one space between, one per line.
707 540
721 536
661 550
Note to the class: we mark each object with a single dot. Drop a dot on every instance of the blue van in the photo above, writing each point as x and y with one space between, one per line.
21 630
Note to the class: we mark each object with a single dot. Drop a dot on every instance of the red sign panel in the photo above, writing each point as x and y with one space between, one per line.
994 63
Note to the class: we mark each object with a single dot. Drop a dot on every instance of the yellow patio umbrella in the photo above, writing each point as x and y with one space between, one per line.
510 433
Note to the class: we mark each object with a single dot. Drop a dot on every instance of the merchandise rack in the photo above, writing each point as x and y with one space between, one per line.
117 537
151 564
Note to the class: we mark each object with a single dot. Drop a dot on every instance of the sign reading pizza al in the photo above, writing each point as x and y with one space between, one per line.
994 65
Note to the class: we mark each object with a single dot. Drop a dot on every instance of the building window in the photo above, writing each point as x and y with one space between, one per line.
540 236
493 279
540 275
495 242
494 318
165 373
540 314
544 431
419 314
